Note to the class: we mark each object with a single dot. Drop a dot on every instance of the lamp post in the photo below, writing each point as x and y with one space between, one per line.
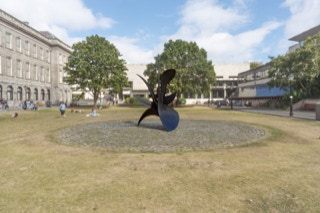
290 88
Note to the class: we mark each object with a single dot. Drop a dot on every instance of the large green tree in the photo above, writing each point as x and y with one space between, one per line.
95 64
255 64
303 65
194 72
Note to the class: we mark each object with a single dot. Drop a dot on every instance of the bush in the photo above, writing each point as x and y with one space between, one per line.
182 101
132 100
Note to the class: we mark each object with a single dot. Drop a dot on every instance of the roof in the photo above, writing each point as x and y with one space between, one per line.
304 35
48 35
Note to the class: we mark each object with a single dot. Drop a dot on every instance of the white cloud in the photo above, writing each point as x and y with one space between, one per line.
60 17
225 47
222 29
131 52
207 16
213 27
304 15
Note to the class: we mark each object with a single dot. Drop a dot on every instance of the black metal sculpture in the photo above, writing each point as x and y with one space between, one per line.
160 103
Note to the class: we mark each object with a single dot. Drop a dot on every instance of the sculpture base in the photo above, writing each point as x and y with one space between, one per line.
151 136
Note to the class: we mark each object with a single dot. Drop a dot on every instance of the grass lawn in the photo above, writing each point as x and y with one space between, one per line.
280 173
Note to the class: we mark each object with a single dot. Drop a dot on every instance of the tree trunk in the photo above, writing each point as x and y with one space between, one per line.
95 98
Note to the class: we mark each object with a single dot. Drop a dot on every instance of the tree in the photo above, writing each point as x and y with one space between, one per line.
304 65
255 64
95 64
194 73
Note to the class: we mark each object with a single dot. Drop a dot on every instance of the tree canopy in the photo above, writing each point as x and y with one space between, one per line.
95 64
255 64
303 65
194 73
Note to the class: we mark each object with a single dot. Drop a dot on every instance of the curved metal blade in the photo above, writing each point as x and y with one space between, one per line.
165 78
144 101
168 116
168 99
149 88
148 112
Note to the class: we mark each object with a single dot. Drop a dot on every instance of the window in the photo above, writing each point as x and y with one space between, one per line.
19 68
0 65
42 95
35 72
0 92
27 48
35 54
48 94
60 76
19 94
35 92
48 56
18 44
0 37
42 74
9 66
41 53
49 75
28 94
9 93
60 59
8 40
27 70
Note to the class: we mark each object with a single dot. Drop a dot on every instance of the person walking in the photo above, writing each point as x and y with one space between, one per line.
62 108
4 104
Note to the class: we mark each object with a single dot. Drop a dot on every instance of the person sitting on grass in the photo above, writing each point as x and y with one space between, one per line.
93 113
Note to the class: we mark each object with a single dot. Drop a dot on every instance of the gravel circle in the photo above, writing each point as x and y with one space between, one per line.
150 136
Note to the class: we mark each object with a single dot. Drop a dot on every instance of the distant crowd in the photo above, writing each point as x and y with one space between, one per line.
25 105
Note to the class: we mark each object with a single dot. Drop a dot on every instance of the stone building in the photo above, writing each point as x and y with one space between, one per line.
31 64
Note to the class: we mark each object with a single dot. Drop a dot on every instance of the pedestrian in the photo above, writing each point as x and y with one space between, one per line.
62 108
4 104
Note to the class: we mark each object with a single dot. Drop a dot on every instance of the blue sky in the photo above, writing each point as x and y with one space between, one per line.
229 30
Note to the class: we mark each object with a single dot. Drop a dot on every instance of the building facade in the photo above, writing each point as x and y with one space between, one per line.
136 86
31 64
227 79
253 84
253 87
226 75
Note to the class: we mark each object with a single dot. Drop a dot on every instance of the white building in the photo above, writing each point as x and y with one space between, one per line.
226 73
227 79
137 86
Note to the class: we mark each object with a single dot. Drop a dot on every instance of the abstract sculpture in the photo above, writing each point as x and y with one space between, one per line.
160 103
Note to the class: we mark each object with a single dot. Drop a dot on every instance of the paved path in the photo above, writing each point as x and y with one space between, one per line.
310 115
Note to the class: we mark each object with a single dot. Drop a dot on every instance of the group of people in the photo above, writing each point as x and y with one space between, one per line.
63 107
29 105
25 105
4 104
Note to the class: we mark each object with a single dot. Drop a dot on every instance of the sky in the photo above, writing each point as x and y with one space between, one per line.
231 31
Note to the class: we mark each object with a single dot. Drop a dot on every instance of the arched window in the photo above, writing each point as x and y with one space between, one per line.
35 92
19 94
28 94
42 95
48 94
0 92
9 93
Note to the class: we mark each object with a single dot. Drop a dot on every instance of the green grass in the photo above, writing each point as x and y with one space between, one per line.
278 174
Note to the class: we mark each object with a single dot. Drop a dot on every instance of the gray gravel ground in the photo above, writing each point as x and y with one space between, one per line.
151 136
